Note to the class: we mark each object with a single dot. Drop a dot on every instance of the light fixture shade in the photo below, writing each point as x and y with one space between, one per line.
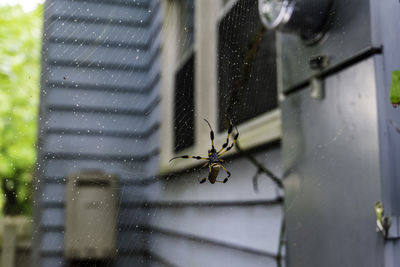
273 13
307 18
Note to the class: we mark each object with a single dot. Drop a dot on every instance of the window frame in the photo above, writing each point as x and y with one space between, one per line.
259 130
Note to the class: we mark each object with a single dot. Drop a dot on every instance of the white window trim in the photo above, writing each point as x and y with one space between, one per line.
260 130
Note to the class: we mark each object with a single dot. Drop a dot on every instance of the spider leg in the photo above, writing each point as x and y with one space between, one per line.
227 138
205 164
233 143
206 178
211 135
226 178
188 157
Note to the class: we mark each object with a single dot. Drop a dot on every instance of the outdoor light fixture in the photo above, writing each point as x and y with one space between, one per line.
307 18
274 13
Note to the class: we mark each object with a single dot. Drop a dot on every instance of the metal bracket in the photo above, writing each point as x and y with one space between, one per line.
319 62
317 88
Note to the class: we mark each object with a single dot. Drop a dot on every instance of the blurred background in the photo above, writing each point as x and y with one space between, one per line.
97 96
20 54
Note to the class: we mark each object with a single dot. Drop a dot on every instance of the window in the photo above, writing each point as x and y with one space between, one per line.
184 105
184 78
186 24
246 65
215 77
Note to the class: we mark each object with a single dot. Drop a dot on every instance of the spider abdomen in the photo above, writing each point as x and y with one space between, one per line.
214 173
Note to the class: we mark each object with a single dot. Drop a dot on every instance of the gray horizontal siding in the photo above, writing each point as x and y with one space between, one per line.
76 54
99 110
131 196
152 166
128 3
63 76
101 157
53 261
52 242
143 133
99 56
87 121
180 251
63 167
96 145
90 31
52 217
93 76
110 101
104 13
141 259
228 224
252 227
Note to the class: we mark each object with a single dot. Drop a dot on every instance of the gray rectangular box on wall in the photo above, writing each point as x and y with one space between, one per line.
91 215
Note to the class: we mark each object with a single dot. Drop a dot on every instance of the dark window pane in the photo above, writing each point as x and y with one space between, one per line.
246 65
184 106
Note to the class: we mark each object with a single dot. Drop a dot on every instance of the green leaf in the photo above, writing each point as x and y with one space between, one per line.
395 88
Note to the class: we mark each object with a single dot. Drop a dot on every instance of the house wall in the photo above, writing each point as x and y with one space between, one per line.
333 172
341 151
99 110
384 24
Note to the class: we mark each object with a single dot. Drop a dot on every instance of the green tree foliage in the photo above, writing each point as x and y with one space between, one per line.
20 44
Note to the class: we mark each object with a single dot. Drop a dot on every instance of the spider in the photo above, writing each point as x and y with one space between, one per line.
213 161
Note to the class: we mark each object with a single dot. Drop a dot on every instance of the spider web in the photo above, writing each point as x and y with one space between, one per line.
146 206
